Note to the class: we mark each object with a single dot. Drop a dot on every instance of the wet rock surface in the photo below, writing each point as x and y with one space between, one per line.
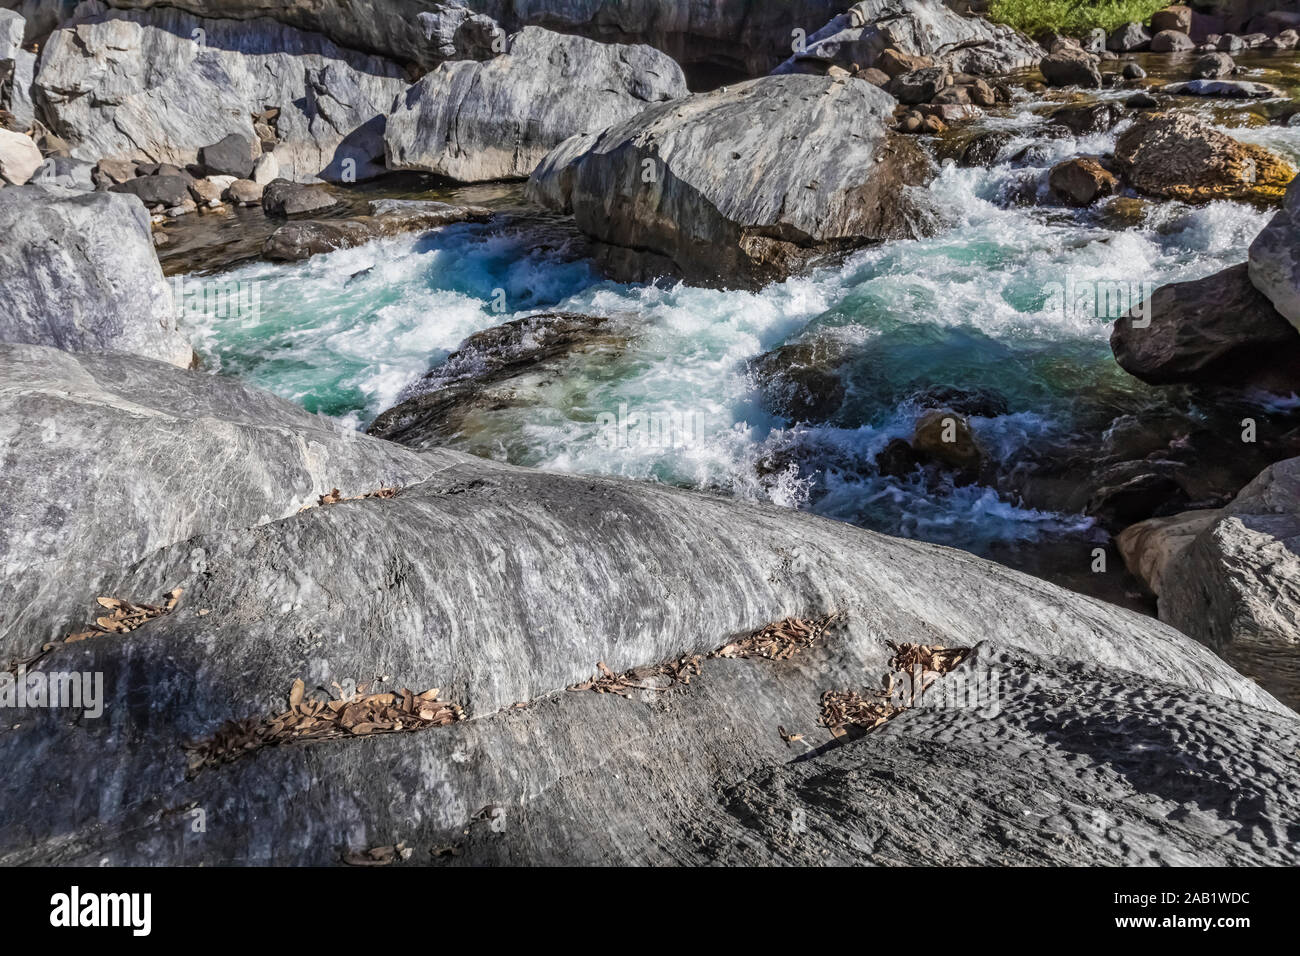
303 239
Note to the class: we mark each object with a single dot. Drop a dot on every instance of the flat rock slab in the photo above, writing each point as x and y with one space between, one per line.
301 240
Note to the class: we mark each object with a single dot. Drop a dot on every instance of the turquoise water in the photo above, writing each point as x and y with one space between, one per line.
971 307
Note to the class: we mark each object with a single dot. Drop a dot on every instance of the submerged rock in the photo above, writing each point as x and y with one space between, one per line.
1232 89
1219 330
475 122
300 240
502 587
1180 156
79 272
944 436
743 184
799 381
499 368
1081 181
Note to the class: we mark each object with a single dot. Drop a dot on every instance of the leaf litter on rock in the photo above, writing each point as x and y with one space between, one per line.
921 664
334 496
309 719
123 616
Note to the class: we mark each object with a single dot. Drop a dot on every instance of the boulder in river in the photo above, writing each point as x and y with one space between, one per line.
504 586
134 85
1220 330
477 121
233 155
1211 66
799 381
1171 41
502 367
1071 66
1180 156
743 184
1081 181
1274 265
388 217
1129 38
1229 89
1231 578
79 272
284 198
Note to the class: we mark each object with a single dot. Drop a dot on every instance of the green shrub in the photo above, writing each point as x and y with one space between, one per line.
1072 17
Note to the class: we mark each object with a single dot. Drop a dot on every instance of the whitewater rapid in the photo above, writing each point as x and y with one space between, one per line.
969 308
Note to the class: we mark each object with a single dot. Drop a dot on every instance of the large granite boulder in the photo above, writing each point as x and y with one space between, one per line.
1231 578
388 217
79 272
1219 330
108 458
1274 265
927 28
503 586
137 86
738 35
743 184
477 121
1181 156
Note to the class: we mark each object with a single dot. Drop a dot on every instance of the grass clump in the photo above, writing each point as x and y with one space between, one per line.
1072 17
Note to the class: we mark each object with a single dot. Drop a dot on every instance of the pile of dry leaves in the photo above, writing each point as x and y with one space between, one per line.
124 616
335 496
679 670
781 640
920 664
308 719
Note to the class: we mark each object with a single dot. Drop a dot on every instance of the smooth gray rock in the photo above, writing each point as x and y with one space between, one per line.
80 273
918 28
502 586
107 458
1236 586
733 34
301 240
744 183
1274 265
475 122
136 86
161 189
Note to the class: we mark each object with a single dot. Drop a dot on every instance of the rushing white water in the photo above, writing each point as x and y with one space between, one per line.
971 307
